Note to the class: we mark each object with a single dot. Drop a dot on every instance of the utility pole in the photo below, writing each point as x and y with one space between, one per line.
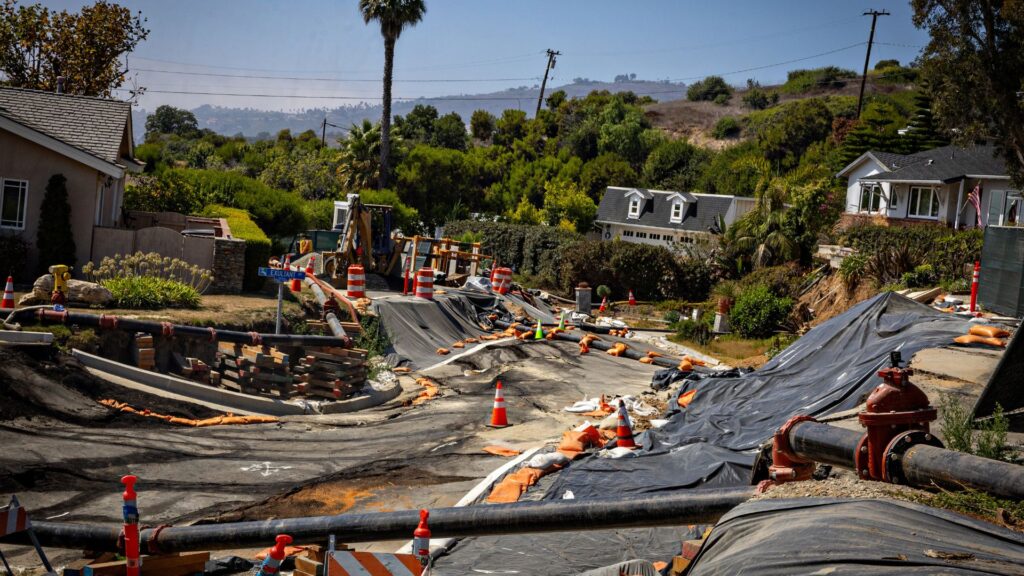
867 58
551 65
323 133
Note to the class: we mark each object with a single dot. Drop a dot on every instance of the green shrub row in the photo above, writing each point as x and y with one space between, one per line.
531 250
257 245
652 272
151 293
887 254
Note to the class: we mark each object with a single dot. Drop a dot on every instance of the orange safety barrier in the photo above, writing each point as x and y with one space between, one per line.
215 421
989 331
424 287
355 283
974 339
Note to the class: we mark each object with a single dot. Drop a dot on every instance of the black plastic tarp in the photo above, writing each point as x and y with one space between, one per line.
863 537
418 327
563 552
830 369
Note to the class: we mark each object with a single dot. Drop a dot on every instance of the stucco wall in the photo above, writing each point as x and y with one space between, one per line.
24 160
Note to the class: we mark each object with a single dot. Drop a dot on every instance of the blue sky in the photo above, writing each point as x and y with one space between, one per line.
474 46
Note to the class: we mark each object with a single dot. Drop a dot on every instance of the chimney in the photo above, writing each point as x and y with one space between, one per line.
60 84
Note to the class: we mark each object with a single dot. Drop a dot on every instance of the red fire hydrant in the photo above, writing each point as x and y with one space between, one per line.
895 409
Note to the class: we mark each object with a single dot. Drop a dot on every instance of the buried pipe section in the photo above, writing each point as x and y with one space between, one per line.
700 506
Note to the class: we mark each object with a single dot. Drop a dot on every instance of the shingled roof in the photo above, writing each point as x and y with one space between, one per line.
95 126
656 210
947 164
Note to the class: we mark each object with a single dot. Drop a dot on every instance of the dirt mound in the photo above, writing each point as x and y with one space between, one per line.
831 297
57 386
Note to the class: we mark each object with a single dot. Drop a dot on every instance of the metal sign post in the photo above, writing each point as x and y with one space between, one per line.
281 275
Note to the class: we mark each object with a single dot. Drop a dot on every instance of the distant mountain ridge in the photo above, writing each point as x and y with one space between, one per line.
251 122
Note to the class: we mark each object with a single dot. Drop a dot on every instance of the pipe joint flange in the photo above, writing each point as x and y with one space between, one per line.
787 466
781 439
897 448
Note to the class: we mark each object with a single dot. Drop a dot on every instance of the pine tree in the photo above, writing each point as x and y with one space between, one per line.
54 239
923 132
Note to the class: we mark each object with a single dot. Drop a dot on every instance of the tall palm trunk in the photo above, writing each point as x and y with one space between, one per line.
385 121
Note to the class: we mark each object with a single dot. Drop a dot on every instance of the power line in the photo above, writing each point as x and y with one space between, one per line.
820 54
321 79
318 97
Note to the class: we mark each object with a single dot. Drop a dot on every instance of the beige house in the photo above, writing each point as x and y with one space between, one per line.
88 140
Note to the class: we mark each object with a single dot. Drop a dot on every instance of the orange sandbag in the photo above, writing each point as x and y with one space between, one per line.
584 348
694 361
458 345
443 351
401 369
501 451
512 486
685 399
647 360
653 354
618 349
989 331
470 340
972 339
487 337
685 366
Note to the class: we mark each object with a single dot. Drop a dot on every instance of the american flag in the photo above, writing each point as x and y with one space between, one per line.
975 198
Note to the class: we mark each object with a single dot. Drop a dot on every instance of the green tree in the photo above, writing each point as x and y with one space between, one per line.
438 182
482 125
567 201
526 213
54 240
359 163
727 172
708 89
674 165
555 99
974 62
625 131
418 125
792 129
170 120
510 127
606 170
393 16
449 131
38 45
757 98
762 231
923 131
877 129
726 127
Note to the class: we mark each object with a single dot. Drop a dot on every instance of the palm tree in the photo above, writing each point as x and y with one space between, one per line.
762 230
394 16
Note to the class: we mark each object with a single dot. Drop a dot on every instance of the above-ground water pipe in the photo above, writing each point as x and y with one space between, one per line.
332 320
109 322
918 465
702 506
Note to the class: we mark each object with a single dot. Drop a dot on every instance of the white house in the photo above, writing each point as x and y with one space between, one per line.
667 218
932 186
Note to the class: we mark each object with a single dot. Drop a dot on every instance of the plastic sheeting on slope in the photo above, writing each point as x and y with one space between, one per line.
562 552
863 537
418 327
829 369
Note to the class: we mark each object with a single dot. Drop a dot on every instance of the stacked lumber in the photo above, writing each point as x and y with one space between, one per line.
191 368
336 373
253 370
182 564
143 352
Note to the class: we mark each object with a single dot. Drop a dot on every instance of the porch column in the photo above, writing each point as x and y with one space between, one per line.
959 207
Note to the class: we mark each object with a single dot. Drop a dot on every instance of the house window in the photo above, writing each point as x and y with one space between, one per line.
924 203
12 203
677 212
634 207
627 233
655 236
870 198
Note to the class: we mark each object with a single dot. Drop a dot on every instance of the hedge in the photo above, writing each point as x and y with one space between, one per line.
532 250
257 245
901 249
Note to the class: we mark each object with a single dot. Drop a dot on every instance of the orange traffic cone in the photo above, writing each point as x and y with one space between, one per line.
632 300
8 301
623 433
499 419
604 304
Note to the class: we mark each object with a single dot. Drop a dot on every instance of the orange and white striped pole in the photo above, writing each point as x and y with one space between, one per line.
974 286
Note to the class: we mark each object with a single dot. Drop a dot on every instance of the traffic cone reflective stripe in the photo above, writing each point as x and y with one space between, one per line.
632 300
604 304
8 301
272 563
974 286
499 419
623 433
421 539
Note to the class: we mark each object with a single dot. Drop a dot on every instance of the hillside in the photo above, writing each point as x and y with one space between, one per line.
695 120
251 122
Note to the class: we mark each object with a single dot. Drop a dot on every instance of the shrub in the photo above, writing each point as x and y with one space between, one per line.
957 430
709 89
726 127
758 312
257 245
53 240
800 81
782 281
694 331
148 292
886 254
14 257
151 265
652 272
532 250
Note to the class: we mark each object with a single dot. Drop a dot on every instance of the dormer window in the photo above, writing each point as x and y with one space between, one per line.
634 207
677 212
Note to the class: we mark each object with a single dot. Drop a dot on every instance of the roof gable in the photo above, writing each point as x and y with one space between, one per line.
949 164
699 214
97 126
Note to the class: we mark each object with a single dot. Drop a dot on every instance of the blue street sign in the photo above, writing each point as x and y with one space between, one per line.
281 274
